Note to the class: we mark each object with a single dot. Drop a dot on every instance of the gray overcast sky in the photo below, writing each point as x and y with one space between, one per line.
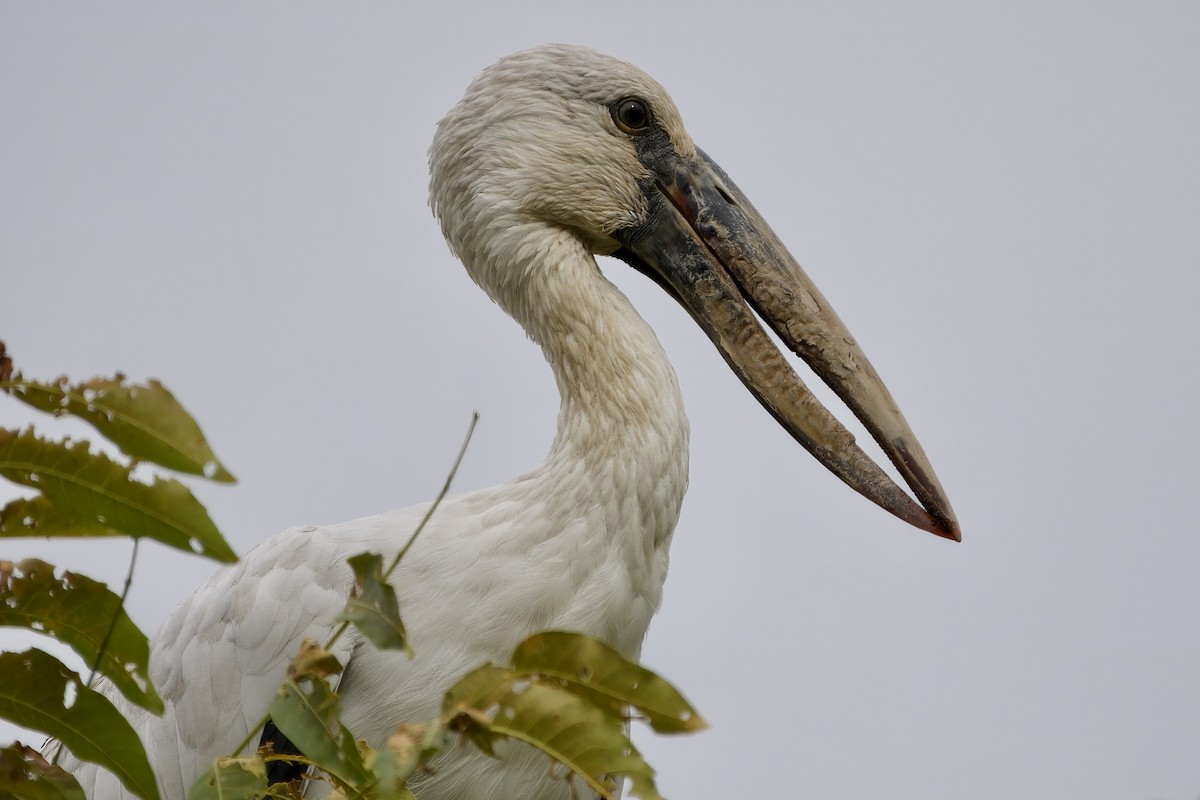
1002 201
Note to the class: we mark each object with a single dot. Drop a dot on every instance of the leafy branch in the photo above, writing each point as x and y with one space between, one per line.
78 492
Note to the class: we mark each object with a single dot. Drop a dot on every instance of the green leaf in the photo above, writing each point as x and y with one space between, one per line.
79 612
35 516
306 712
582 662
373 607
90 486
26 775
572 731
144 420
38 692
240 778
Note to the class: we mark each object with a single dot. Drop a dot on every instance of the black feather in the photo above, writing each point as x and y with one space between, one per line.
281 771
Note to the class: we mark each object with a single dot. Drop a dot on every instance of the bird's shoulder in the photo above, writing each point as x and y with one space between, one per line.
293 582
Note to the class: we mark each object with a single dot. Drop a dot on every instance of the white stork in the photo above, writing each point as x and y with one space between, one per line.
554 156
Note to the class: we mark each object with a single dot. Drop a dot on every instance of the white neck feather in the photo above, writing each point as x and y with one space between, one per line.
619 461
621 419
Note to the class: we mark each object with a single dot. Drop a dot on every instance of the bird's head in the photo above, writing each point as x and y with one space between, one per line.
547 136
570 139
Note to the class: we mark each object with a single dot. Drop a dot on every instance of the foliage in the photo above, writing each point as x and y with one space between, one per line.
40 693
144 420
94 494
78 492
565 694
84 614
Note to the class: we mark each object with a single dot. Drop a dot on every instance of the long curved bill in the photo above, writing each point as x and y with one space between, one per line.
707 245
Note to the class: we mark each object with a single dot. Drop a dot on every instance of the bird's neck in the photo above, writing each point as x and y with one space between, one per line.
622 439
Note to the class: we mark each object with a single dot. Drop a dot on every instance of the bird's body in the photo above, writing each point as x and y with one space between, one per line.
555 155
579 543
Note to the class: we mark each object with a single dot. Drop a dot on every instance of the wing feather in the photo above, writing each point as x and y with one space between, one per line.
218 659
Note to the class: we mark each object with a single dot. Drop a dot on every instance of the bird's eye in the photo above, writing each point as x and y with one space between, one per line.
631 115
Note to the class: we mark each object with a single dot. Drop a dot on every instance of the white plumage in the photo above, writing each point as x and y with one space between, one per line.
533 173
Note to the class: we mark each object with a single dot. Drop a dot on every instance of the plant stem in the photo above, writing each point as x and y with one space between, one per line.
462 451
112 626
